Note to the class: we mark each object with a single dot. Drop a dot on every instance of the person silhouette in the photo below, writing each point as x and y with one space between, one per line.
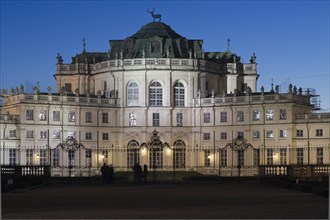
104 173
145 173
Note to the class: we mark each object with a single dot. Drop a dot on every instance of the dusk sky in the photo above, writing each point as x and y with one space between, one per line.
290 38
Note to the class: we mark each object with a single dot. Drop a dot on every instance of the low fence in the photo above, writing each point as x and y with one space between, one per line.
302 172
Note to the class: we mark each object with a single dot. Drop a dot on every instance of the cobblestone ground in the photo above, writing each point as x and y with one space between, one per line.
225 200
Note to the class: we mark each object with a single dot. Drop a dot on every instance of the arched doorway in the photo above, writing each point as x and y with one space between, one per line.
179 154
133 155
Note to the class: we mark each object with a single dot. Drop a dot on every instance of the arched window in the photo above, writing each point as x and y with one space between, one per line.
133 94
156 94
133 155
179 154
178 94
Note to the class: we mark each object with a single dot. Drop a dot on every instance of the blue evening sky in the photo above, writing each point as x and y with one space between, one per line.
290 38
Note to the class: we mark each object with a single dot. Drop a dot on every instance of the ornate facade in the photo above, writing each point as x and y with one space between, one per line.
159 99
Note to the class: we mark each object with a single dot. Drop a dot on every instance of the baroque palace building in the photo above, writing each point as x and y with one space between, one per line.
159 99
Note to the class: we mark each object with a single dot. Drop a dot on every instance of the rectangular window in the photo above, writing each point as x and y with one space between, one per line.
223 135
88 117
284 133
89 153
300 133
319 155
179 119
56 157
29 115
256 134
270 155
256 157
42 157
207 118
223 157
207 158
300 156
72 117
240 116
12 156
155 119
29 134
105 117
319 132
56 115
67 87
240 134
223 116
132 119
283 156
56 134
43 115
269 134
207 136
282 114
12 133
269 114
43 134
29 156
71 134
88 136
256 115
105 136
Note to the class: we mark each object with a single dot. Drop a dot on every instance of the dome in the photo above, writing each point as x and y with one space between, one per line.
158 29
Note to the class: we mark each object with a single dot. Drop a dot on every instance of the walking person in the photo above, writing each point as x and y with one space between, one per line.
145 173
137 173
104 173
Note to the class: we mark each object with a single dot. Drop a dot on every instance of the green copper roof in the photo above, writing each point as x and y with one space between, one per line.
153 29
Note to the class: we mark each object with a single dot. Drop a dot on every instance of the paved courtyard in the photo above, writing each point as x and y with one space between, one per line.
225 200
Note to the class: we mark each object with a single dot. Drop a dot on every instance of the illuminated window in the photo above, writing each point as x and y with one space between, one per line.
71 117
284 133
132 119
133 94
269 134
256 115
56 134
42 115
156 94
269 114
178 94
